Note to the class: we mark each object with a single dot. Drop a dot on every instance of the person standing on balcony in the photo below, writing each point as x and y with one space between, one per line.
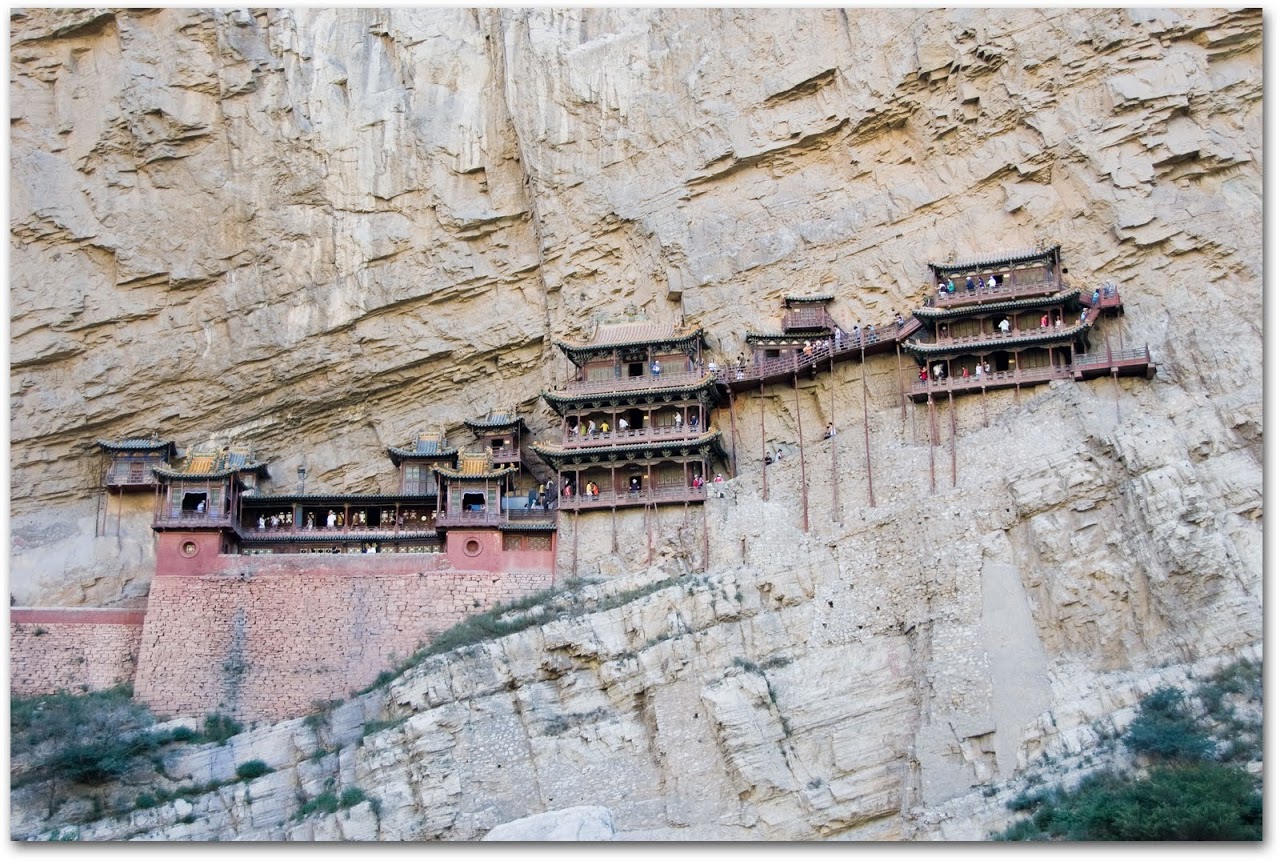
1097 296
693 421
1004 326
622 425
897 318
968 283
530 499
332 520
838 334
604 428
986 368
677 421
591 428
1044 321
991 283
656 368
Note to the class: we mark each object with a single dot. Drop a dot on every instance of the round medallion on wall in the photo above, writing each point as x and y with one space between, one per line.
189 549
472 547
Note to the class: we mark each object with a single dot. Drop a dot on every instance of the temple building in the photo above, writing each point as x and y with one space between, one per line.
198 502
1010 320
130 462
634 419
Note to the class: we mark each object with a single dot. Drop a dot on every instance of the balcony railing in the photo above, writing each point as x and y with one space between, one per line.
506 455
336 532
626 384
622 498
494 518
658 434
997 379
1012 288
192 518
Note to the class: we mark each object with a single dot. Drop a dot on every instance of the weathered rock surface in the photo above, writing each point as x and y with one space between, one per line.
321 230
574 823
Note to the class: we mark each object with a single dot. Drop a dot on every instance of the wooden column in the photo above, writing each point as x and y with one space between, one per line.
866 431
804 484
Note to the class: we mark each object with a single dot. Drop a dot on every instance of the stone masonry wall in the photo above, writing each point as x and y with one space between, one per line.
73 650
268 646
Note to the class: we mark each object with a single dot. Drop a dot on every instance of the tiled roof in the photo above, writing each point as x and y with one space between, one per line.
609 336
214 464
934 312
493 422
1047 335
426 445
798 300
557 452
569 396
487 473
1024 255
136 444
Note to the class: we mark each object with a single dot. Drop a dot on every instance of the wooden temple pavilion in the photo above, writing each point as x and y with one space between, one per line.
634 419
130 462
1009 321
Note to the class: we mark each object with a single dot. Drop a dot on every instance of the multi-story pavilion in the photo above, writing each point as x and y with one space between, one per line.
1010 320
635 418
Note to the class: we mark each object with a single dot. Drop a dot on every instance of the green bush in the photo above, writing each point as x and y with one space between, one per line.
1196 801
219 728
251 769
351 796
145 801
1166 729
325 802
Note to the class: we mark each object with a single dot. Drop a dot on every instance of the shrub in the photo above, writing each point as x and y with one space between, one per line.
219 728
1166 730
251 769
145 801
184 733
351 796
1196 801
325 802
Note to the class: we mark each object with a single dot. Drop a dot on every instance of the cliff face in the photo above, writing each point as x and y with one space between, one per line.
322 230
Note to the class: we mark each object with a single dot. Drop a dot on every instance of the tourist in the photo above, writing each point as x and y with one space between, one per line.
261 523
830 432
676 421
693 421
712 366
942 288
591 428
719 479
200 507
968 283
778 455
1097 296
924 373
951 287
622 425
342 520
897 318
839 336
656 368
604 427
542 498
986 367
1044 321
531 498
1084 313
808 349
275 522
978 371
937 372
1004 325
311 520
332 520
964 373
768 459
991 283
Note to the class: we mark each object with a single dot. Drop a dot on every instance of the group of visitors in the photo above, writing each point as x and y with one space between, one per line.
971 285
981 370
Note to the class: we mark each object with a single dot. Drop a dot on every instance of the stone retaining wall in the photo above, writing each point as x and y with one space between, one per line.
76 650
269 645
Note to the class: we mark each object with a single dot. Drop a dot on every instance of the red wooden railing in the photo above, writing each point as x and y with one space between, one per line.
611 498
660 433
624 384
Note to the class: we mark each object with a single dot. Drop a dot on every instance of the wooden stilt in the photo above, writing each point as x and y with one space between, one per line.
804 484
575 544
902 389
933 441
951 408
613 517
835 471
866 431
733 437
120 507
764 453
648 524
706 543
1115 382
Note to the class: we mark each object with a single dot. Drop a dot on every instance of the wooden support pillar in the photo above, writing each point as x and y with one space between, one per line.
120 507
733 437
951 408
706 543
613 521
575 543
902 389
804 484
933 441
764 472
866 431
835 471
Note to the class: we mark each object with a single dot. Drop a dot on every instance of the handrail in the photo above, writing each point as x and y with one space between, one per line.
660 433
1022 375
609 498
193 518
626 384
337 532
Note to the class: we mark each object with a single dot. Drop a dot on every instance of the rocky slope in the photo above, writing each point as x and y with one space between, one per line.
322 230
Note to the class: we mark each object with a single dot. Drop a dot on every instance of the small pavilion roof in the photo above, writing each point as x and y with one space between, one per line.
428 446
558 400
1032 338
166 447
212 464
821 299
495 421
612 336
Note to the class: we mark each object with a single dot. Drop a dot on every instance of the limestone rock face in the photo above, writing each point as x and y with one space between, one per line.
323 230
575 823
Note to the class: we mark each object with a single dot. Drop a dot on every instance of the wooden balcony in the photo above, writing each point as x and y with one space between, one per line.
628 384
878 339
125 475
494 518
1123 363
506 456
660 434
369 533
1012 288
192 520
625 499
806 318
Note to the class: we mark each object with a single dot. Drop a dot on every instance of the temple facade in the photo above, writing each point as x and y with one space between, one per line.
635 417
1010 320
